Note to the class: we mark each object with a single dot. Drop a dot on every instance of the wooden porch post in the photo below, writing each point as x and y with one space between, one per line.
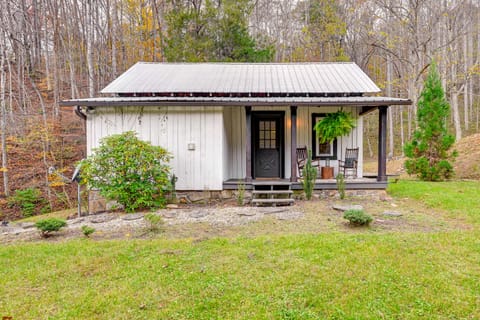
248 143
293 146
382 143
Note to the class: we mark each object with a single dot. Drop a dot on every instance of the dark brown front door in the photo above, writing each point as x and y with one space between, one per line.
268 145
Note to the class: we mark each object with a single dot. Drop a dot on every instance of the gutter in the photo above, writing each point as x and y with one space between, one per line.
78 112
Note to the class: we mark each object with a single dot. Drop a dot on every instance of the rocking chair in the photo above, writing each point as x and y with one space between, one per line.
349 166
302 156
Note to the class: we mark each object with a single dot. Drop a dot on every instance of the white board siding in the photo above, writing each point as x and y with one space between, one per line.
172 128
235 131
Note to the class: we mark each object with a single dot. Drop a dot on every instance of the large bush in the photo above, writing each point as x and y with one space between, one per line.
130 171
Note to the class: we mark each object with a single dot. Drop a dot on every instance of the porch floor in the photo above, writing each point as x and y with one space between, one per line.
320 184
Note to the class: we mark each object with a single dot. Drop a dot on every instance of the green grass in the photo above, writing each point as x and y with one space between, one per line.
57 214
333 275
459 198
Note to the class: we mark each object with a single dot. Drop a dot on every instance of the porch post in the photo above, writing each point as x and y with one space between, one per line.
248 143
382 143
293 145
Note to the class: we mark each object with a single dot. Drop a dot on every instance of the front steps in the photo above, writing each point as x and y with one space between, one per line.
272 193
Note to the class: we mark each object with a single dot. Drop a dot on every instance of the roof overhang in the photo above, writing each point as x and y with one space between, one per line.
236 101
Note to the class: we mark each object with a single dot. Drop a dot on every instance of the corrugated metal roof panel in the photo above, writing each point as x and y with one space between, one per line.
222 78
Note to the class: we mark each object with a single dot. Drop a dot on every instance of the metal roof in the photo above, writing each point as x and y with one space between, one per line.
274 79
238 101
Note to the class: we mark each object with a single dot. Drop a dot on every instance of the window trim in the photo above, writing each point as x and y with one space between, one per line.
314 140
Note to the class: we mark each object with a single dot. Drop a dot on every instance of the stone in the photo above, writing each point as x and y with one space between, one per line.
343 208
248 213
196 197
172 206
168 214
392 214
198 214
226 194
27 225
132 216
101 219
76 221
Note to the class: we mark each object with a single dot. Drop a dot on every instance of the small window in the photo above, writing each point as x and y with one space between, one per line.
267 135
322 150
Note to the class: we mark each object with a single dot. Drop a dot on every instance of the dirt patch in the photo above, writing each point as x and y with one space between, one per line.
204 222
467 164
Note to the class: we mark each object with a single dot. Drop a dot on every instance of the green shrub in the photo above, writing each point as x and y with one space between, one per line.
309 174
154 222
341 185
87 231
130 171
47 226
241 194
27 200
357 217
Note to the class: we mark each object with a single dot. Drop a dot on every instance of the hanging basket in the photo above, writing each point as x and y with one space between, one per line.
336 124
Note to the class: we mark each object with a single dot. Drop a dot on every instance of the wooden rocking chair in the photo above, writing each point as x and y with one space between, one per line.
302 156
349 166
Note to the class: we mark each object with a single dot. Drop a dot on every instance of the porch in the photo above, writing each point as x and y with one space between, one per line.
370 183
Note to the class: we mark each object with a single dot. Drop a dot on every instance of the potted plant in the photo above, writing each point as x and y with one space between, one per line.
333 125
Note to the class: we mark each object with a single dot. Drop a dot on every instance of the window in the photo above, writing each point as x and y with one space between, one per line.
322 150
268 136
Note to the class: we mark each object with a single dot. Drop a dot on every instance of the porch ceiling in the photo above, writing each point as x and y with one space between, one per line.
358 101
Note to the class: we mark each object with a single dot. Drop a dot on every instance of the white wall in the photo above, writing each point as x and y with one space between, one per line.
172 128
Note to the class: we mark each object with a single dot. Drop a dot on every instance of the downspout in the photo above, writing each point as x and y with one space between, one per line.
78 112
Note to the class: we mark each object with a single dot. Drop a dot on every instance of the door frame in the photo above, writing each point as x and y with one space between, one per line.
277 115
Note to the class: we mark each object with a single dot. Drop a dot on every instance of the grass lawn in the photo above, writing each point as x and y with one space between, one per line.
330 275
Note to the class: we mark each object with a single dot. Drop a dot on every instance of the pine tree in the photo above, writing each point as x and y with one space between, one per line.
429 151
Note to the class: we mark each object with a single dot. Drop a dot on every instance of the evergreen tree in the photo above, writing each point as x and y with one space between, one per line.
429 151
212 31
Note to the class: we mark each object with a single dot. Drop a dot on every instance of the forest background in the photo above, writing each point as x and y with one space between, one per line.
52 50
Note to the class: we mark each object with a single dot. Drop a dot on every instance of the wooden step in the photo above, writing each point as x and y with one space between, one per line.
273 201
272 192
271 183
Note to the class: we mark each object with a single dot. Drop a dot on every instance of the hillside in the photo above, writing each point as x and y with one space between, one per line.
467 164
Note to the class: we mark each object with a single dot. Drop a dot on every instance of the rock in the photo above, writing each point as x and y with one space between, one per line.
198 214
226 194
168 214
343 208
248 213
76 221
392 214
197 197
394 205
27 225
172 206
101 219
132 216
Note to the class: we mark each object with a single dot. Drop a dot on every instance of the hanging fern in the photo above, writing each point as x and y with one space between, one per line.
334 125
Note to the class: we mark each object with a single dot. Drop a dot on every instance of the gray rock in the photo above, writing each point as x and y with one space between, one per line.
248 213
198 214
132 216
27 225
392 214
101 219
343 208
168 214
197 197
76 221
